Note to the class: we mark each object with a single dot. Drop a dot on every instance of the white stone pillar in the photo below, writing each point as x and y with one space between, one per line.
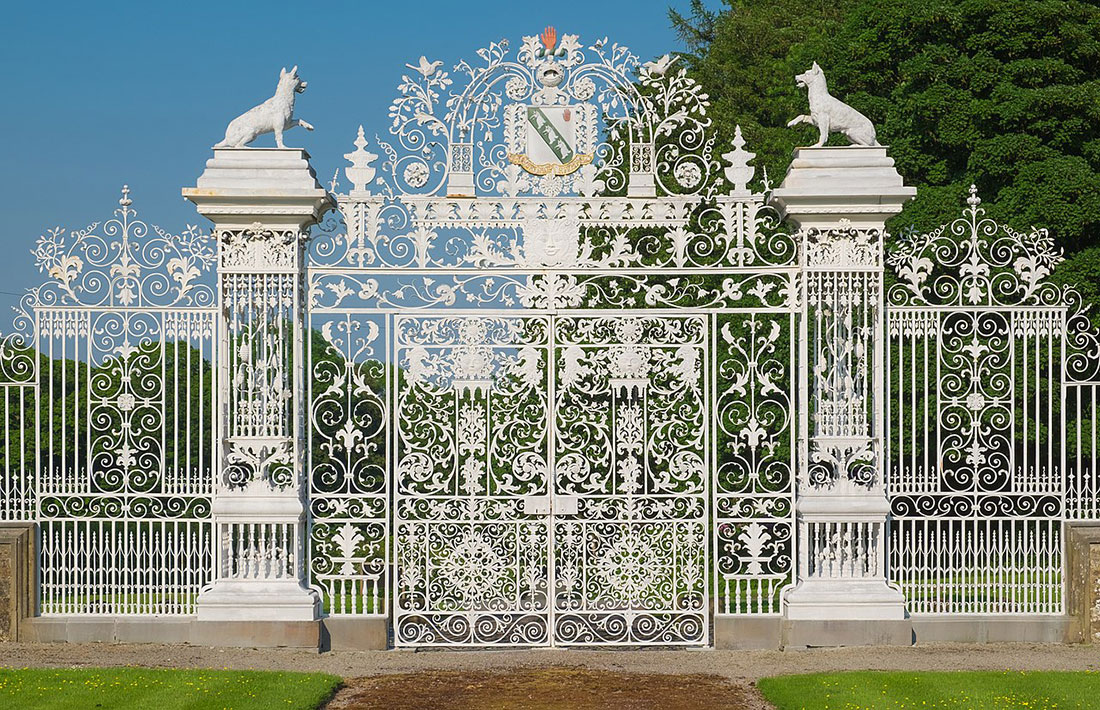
262 202
840 198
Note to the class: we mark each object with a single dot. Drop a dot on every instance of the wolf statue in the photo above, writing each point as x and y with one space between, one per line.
830 114
272 116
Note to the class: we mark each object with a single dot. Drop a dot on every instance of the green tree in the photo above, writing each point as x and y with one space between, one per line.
746 57
1001 93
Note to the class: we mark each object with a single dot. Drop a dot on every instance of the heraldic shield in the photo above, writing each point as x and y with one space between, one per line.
555 139
551 136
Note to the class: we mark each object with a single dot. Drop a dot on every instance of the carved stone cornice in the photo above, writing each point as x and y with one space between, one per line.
857 183
274 186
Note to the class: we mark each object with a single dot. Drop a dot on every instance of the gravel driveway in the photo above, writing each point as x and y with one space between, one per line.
734 665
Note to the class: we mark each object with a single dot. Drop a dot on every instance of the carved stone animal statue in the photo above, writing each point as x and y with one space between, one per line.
830 114
272 116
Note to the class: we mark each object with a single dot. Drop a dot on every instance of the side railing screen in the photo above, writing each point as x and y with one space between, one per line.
109 397
991 372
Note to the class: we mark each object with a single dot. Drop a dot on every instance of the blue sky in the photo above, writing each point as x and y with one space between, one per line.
99 94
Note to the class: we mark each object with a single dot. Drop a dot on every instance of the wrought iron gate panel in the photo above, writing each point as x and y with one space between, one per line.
472 421
125 475
754 411
348 457
983 407
123 337
631 454
19 366
989 370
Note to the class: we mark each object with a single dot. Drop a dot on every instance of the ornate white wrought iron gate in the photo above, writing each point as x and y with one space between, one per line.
561 371
552 475
472 489
631 462
558 363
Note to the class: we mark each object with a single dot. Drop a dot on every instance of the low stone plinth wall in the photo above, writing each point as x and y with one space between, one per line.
16 578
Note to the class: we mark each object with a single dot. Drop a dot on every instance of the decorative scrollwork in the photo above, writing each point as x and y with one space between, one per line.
974 261
348 468
263 462
456 131
843 288
573 156
124 262
992 370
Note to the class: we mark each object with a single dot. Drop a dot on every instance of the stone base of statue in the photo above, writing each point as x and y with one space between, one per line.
850 599
857 183
260 566
272 600
274 186
846 612
819 633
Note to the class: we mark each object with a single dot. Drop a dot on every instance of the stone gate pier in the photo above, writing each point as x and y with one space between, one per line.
841 199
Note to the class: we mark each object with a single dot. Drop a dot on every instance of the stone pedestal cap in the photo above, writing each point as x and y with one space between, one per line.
828 184
870 507
274 186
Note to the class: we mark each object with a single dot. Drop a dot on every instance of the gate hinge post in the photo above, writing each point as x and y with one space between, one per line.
262 202
840 199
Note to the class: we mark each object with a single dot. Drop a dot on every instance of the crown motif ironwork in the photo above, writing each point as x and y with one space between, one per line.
974 261
977 262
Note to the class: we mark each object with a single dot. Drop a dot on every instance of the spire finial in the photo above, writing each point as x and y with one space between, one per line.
739 172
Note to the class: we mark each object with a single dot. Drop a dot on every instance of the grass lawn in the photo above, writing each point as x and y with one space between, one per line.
970 690
87 688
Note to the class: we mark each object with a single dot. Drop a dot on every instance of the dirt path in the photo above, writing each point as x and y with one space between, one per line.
546 689
733 665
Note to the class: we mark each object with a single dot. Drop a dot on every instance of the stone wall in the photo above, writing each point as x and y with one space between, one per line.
1083 582
16 578
1093 584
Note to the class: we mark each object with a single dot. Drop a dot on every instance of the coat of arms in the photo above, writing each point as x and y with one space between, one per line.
550 136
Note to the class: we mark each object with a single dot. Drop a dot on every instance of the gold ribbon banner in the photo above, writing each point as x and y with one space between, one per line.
572 166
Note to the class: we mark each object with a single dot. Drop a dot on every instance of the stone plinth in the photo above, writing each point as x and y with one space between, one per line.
274 186
1083 581
846 598
258 600
16 579
857 183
